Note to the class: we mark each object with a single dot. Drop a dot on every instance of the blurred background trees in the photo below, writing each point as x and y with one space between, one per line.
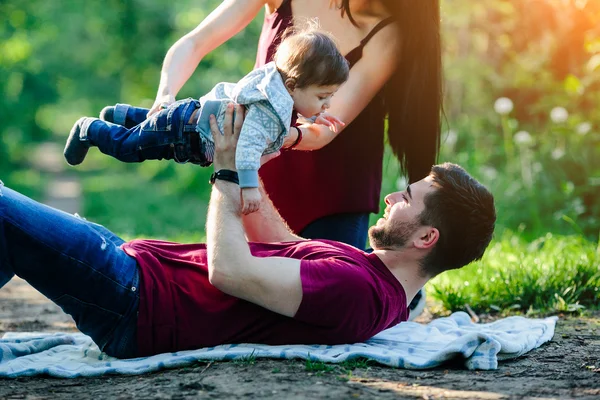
538 149
541 155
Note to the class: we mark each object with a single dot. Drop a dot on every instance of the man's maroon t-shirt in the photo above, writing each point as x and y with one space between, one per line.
347 296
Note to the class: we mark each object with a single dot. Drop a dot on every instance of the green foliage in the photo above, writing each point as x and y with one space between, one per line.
62 60
552 273
137 206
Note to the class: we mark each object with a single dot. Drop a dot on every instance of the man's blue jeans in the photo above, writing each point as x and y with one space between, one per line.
75 263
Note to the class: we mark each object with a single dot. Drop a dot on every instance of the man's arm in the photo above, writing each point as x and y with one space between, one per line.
266 225
271 282
180 62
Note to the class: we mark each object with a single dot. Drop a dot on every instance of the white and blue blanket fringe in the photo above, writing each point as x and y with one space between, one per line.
407 345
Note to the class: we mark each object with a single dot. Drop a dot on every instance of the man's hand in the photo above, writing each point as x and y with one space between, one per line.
332 122
251 199
226 142
161 103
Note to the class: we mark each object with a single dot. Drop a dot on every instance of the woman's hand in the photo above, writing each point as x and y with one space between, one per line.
161 103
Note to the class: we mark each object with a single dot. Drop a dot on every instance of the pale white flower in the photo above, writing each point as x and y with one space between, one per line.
401 183
558 153
583 128
522 138
503 106
559 115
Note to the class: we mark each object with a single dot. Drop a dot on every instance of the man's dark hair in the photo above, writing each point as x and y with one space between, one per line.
463 212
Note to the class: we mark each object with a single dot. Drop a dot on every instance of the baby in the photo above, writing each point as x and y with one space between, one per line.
306 72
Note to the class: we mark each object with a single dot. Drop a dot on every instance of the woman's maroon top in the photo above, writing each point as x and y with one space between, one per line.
342 177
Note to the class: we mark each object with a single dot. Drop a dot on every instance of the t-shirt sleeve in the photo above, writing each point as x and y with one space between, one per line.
338 295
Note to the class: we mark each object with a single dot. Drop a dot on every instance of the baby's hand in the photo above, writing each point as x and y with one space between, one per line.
250 200
334 123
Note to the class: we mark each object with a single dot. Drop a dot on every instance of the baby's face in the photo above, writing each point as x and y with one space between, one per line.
312 100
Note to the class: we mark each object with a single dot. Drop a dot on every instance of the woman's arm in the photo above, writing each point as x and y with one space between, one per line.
367 77
230 17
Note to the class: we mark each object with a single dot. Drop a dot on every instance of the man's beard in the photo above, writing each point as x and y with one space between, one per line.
391 236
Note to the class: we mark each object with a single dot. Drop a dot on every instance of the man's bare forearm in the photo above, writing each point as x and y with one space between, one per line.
226 245
266 225
270 282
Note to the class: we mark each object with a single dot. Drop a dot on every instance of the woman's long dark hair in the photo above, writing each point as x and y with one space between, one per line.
413 95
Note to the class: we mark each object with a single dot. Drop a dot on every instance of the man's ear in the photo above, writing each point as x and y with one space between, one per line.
290 84
427 238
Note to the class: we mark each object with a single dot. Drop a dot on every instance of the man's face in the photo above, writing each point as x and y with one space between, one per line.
400 220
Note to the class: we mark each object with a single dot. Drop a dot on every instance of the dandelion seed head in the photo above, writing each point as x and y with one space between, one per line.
522 138
558 153
558 115
583 128
569 187
578 206
503 106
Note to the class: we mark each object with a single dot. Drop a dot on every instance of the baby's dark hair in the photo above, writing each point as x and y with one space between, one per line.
311 57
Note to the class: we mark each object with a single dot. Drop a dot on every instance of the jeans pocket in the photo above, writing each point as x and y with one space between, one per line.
96 322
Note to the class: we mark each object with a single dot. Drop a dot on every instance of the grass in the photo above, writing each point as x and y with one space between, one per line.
550 274
149 201
318 367
247 361
344 369
357 363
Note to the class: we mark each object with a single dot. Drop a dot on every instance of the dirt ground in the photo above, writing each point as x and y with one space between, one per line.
566 367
